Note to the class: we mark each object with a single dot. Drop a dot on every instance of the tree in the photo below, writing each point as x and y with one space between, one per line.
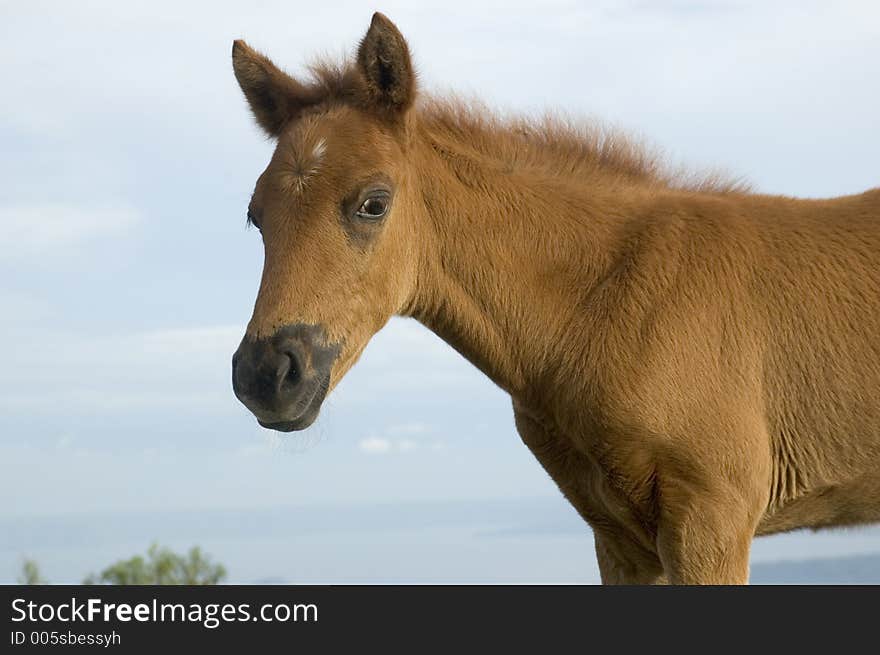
30 573
164 567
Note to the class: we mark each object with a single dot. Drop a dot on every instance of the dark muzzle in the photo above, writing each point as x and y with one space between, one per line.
283 379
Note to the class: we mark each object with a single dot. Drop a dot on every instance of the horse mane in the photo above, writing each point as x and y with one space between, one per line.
563 147
552 144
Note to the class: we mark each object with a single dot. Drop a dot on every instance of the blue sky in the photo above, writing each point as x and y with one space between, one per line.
127 275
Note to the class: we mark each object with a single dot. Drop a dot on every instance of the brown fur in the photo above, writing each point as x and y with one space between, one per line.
691 363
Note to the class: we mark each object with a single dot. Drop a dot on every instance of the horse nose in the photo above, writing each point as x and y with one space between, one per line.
283 378
267 375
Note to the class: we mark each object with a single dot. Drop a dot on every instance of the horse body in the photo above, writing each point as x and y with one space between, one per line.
691 363
710 347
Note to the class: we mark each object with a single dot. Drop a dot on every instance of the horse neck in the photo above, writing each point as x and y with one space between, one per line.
506 257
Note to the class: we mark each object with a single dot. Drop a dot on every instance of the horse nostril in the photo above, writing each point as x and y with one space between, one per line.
238 384
289 373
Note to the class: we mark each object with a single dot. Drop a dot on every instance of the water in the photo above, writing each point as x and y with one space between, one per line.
536 540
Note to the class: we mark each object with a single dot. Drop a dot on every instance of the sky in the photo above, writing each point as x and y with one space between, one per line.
127 274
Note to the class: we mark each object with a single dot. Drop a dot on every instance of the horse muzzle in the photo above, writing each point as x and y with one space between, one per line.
282 379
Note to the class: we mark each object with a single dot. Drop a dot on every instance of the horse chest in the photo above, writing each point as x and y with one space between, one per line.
604 494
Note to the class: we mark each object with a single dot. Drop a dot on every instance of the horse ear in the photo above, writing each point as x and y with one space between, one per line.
273 95
384 61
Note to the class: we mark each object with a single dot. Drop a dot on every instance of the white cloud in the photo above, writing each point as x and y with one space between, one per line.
414 428
406 445
375 445
41 228
405 355
189 341
385 445
171 368
22 308
404 438
64 442
267 442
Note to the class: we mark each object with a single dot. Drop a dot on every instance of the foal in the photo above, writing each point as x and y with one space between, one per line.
692 364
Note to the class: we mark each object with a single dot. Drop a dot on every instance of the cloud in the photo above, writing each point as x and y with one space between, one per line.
413 428
402 438
35 229
406 445
182 368
375 445
267 442
385 445
22 309
405 355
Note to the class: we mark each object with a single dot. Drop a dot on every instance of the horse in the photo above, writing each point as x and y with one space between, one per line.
694 364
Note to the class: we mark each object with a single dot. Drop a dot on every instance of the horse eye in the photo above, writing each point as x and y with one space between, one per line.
373 208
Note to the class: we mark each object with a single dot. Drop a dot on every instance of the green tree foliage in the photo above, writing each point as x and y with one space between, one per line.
162 566
30 573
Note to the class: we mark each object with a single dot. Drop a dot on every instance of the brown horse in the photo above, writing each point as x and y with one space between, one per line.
691 363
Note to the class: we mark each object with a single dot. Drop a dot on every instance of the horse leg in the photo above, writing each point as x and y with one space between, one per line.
696 552
706 527
623 562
